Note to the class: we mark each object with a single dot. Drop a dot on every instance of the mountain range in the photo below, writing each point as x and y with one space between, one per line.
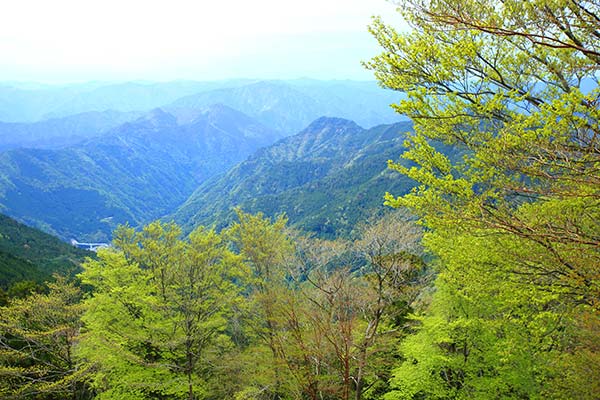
61 132
30 103
326 179
95 155
290 107
137 172
287 106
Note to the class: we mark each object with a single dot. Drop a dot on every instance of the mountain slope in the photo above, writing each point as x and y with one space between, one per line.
137 172
30 254
326 179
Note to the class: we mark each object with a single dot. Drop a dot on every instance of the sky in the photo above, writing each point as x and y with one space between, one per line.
61 41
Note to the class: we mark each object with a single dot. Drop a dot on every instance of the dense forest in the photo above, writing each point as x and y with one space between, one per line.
28 257
81 175
483 283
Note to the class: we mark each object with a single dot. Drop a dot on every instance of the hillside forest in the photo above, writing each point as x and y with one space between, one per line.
267 279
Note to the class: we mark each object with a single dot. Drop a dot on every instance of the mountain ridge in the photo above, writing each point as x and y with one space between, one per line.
326 178
56 133
137 172
289 106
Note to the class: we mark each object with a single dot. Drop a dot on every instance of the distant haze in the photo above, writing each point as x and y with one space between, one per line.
73 40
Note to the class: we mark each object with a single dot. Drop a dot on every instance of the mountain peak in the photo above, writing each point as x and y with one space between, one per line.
229 120
332 123
221 109
219 113
158 118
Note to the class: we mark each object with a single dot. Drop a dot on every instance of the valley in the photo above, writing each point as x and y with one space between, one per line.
80 176
416 218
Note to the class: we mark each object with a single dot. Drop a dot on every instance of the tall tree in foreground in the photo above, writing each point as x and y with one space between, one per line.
515 224
38 335
157 317
394 275
322 315
266 248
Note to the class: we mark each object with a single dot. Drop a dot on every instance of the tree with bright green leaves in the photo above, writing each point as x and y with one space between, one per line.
266 249
38 337
155 324
515 223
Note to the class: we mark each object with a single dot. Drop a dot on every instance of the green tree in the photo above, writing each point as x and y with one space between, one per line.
38 336
512 86
325 324
393 275
356 312
22 289
266 248
156 321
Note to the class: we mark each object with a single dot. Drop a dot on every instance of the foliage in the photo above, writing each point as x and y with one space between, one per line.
328 328
515 222
256 312
159 312
38 336
22 289
266 249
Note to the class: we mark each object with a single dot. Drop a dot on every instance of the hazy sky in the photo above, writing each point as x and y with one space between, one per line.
78 40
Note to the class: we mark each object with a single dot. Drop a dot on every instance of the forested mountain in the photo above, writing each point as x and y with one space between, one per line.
82 175
291 106
61 132
30 254
137 172
326 179
481 280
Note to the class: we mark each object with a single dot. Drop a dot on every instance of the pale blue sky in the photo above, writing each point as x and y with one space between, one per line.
79 40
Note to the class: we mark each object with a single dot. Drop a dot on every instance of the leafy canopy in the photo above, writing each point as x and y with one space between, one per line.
513 86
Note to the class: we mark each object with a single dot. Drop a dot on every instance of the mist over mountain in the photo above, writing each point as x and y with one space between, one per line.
135 96
61 132
289 106
136 172
30 103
